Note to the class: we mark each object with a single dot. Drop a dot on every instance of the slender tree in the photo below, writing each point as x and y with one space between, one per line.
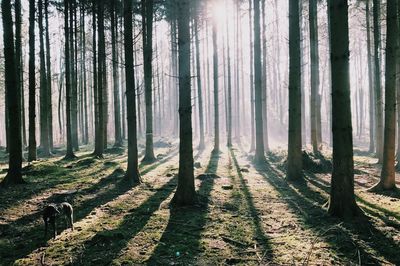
132 172
216 88
342 200
32 84
377 83
44 112
117 104
264 75
185 193
147 21
370 80
70 151
387 180
13 94
294 168
259 155
48 78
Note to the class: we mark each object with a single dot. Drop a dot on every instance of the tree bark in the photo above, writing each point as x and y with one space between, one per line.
132 172
14 175
32 84
185 193
216 87
294 168
48 78
342 200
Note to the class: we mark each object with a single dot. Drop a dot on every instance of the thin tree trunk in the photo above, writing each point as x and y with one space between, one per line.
216 88
132 172
32 84
49 79
370 81
294 167
252 144
264 79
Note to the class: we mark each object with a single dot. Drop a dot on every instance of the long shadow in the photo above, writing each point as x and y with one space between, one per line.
261 238
27 238
104 247
107 189
180 242
302 200
157 163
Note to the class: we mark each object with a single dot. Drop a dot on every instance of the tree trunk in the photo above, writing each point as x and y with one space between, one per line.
70 150
147 20
229 89
388 164
44 112
32 84
117 104
342 200
264 77
132 172
377 85
252 124
14 175
48 78
216 88
313 22
294 167
185 193
74 84
259 155
199 85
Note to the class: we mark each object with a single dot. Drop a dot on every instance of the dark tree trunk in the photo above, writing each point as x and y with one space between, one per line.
185 193
229 89
294 168
32 84
117 104
44 112
132 172
70 150
388 164
74 84
377 85
264 77
259 155
252 145
13 94
48 78
314 54
147 24
342 200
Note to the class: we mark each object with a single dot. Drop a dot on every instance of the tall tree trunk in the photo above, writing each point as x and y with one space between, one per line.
185 193
44 112
147 20
117 104
132 172
216 88
99 142
70 150
14 175
74 84
294 167
377 85
370 81
229 89
314 57
252 124
388 164
199 84
342 200
48 78
264 77
85 89
32 84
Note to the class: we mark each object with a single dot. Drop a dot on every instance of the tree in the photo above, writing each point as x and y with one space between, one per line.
216 88
377 85
199 84
44 112
132 172
13 94
342 200
147 21
387 180
314 54
264 75
114 48
32 84
48 78
70 151
370 81
294 168
229 89
185 193
259 155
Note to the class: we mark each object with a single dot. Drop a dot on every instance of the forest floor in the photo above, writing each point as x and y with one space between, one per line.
246 215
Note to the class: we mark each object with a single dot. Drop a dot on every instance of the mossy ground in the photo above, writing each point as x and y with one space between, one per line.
246 215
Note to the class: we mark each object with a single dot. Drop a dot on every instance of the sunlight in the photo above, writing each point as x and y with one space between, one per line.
219 10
